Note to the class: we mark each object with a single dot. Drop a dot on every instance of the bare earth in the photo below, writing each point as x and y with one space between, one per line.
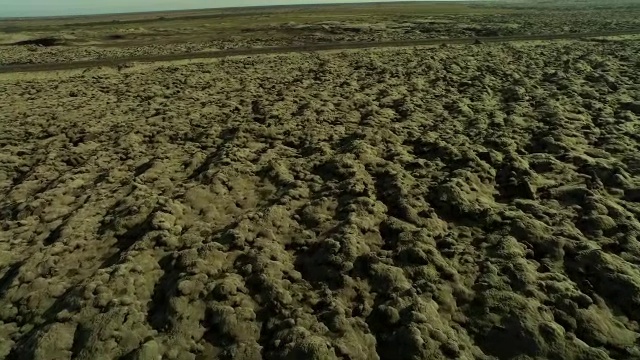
450 202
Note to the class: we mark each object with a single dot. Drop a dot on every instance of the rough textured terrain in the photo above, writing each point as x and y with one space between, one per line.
476 202
105 36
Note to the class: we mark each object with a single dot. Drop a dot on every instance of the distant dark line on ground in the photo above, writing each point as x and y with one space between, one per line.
299 48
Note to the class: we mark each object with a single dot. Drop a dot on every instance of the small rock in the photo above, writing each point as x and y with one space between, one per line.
170 241
149 351
163 221
313 348
419 318
126 301
551 330
415 256
186 356
225 289
390 314
186 287
63 316
450 349
602 222
583 300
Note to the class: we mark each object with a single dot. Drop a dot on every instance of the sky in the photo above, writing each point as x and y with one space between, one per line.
13 8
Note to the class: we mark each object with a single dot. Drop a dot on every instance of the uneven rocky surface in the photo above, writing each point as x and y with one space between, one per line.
149 38
34 54
475 202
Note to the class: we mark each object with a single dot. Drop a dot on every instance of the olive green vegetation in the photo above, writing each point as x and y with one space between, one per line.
475 202
126 35
450 202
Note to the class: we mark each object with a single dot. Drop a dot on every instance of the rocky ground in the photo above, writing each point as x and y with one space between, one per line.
92 41
476 202
34 54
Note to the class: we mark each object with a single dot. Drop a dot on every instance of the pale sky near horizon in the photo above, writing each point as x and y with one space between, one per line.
19 8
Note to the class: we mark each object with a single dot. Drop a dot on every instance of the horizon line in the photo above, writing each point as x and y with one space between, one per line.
311 3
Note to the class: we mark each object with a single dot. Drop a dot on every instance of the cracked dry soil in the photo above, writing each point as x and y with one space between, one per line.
475 202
